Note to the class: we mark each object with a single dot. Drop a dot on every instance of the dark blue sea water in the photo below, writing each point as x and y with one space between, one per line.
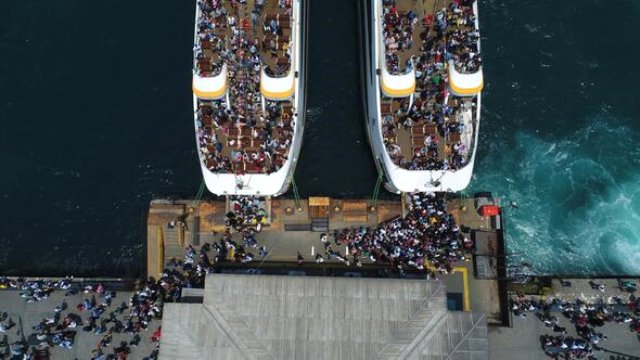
95 111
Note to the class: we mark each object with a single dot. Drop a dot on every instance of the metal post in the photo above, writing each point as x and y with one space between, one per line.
201 190
296 194
376 191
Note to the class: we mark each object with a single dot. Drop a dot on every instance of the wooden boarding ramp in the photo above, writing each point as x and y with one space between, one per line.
354 211
165 235
212 216
319 211
319 206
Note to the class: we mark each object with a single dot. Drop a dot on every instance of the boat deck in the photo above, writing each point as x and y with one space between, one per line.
244 133
237 146
270 39
398 10
408 22
463 38
434 129
275 44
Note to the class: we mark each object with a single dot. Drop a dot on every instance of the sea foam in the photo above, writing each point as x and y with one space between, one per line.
578 198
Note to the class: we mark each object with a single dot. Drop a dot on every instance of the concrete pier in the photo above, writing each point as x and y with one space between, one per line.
174 225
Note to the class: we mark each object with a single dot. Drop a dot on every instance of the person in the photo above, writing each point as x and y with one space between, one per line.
565 283
123 350
300 259
254 19
263 252
62 306
324 239
596 286
560 329
157 334
319 259
627 286
520 314
136 340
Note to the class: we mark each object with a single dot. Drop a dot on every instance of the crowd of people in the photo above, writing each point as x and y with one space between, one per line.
427 238
566 347
586 317
398 38
453 27
35 290
240 136
97 314
444 147
435 118
247 211
462 36
247 217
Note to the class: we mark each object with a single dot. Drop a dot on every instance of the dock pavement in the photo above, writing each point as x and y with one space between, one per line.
26 315
522 340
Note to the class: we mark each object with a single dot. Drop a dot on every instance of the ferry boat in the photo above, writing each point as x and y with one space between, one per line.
423 79
249 93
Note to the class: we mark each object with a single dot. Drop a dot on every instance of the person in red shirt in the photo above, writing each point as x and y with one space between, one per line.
157 334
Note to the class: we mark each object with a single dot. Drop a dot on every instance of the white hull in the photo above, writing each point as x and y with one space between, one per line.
278 182
399 179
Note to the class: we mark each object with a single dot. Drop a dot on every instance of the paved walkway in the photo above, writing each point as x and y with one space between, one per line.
580 288
30 314
522 340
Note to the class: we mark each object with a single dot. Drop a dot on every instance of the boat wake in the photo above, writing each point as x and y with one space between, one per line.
578 199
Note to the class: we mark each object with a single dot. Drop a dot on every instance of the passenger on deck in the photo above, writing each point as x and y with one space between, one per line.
449 35
427 238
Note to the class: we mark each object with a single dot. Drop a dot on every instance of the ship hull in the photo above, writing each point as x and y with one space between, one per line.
397 179
278 182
